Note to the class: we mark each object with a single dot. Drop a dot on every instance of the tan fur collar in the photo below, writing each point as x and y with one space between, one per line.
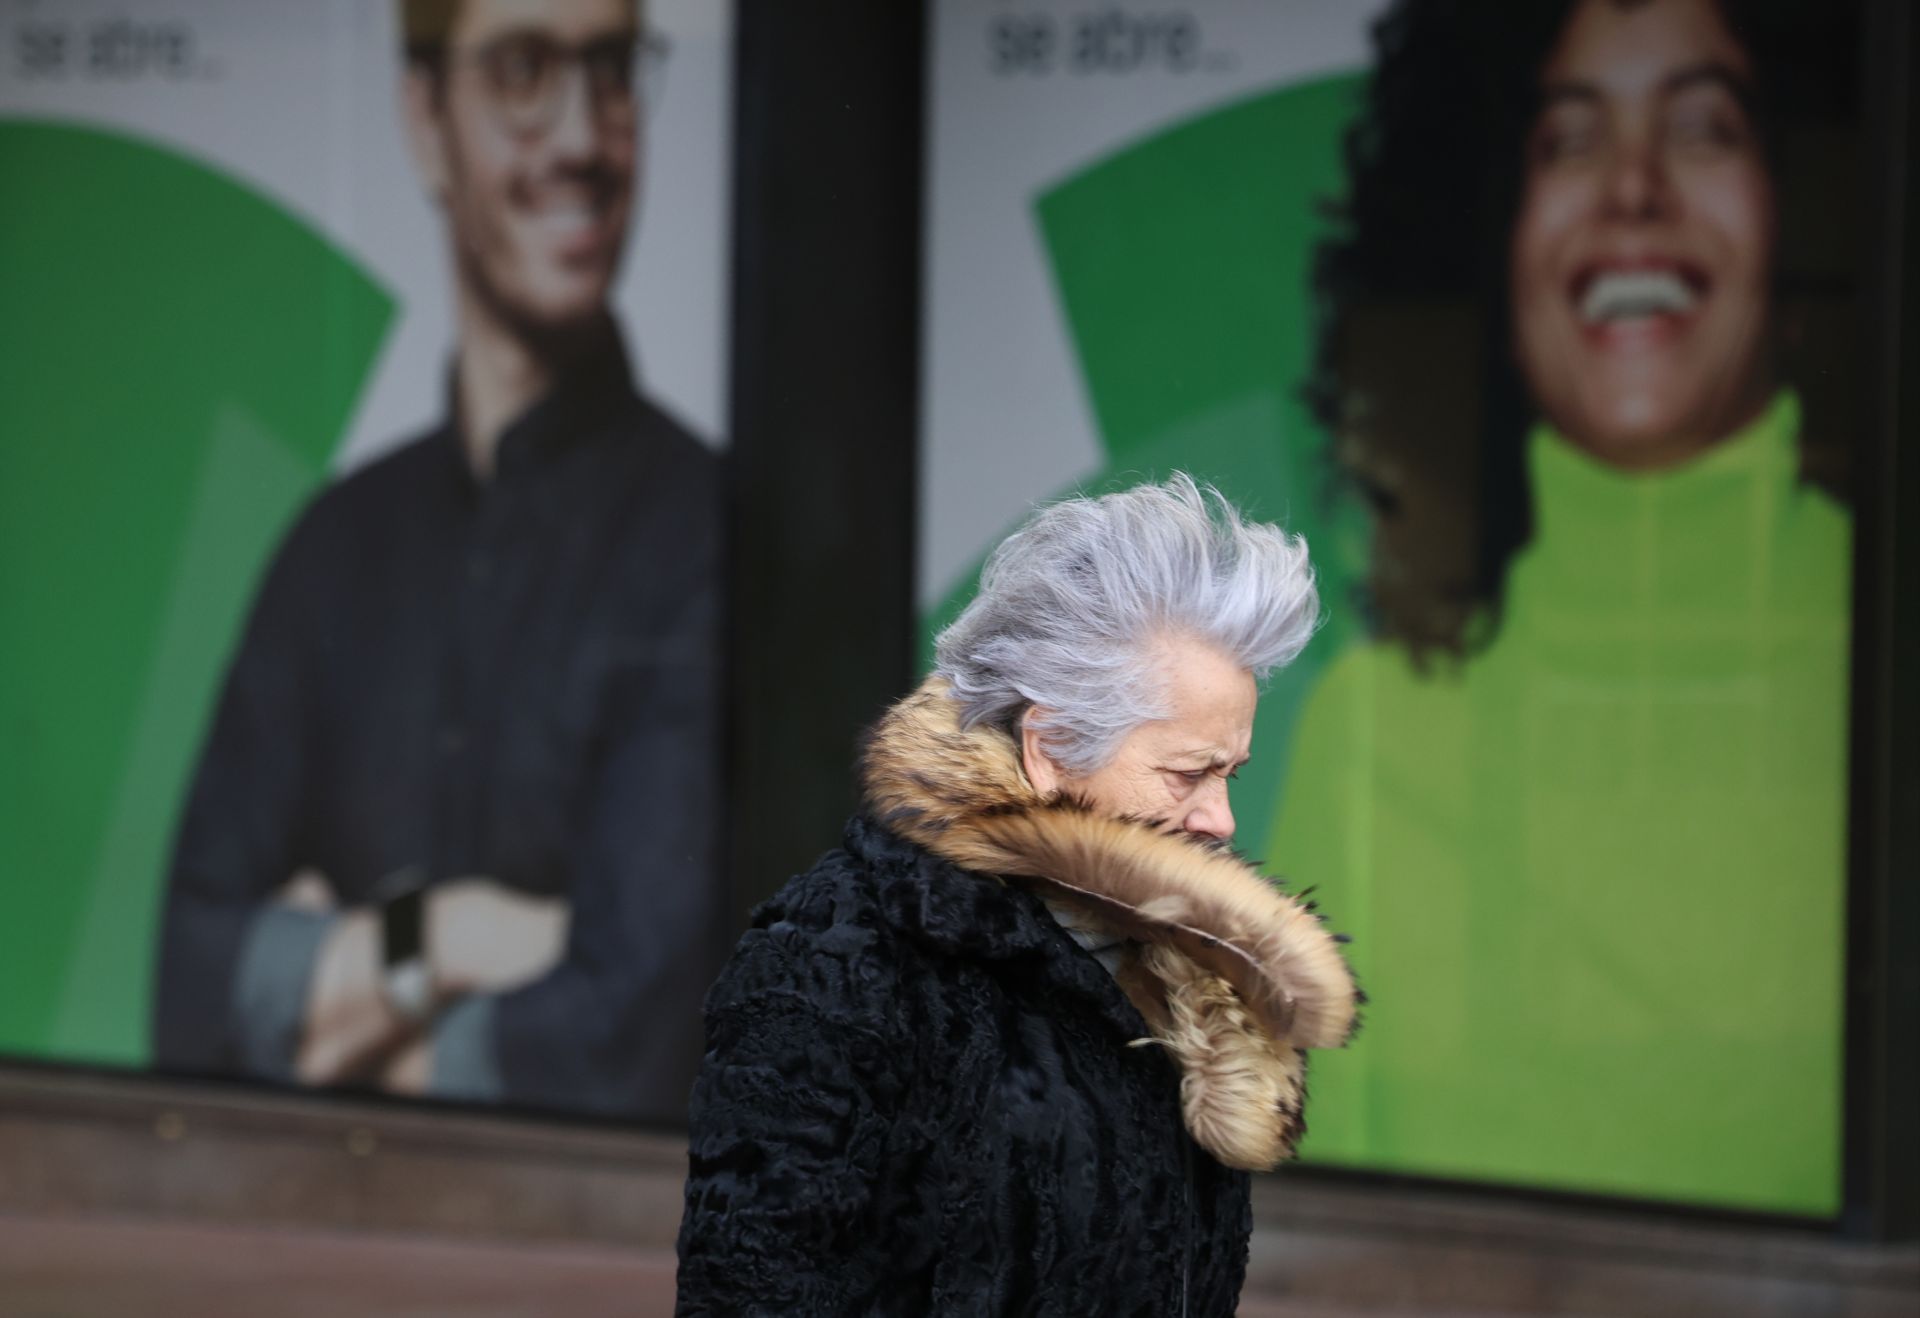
1233 976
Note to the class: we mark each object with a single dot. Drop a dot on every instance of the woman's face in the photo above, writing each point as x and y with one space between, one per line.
1644 242
1176 769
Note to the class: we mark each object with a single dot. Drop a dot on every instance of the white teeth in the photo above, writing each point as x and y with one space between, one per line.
1619 294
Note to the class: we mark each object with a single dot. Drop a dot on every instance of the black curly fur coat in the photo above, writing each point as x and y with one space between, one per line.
919 1098
922 1096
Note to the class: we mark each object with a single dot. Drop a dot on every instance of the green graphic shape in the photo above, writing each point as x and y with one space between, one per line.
179 357
1181 264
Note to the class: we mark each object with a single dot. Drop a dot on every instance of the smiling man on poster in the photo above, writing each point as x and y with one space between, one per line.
453 827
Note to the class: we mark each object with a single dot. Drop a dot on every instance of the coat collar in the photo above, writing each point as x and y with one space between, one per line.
961 794
1231 975
978 917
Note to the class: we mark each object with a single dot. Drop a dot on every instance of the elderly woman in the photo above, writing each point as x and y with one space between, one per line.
1015 1047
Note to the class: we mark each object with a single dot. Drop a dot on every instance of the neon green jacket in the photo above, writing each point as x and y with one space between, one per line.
1595 875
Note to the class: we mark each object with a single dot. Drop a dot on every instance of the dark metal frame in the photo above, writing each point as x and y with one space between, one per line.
1881 1159
826 367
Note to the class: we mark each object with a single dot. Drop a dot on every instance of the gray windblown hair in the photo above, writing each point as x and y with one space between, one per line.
1073 606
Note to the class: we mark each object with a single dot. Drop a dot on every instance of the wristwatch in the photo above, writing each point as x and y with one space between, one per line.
406 979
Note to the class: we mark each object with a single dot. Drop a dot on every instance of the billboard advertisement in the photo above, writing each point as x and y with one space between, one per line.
362 369
1539 322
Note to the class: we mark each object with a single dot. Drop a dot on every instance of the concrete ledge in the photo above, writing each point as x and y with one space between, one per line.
1400 1249
82 1153
113 1267
74 1143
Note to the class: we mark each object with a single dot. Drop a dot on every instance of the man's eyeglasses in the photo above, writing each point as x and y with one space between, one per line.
523 75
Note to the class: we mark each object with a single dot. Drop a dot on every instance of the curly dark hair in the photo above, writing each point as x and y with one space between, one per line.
1413 373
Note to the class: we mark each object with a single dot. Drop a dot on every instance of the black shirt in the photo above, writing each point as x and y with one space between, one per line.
517 679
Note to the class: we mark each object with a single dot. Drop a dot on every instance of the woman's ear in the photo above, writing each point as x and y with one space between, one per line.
1042 772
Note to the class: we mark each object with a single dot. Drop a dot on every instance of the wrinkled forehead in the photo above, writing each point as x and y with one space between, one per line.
1210 705
1631 49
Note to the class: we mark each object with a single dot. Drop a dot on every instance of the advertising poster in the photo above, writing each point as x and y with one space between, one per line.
361 417
1538 321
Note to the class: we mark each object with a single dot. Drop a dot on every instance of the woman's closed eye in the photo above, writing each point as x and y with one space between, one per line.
1194 777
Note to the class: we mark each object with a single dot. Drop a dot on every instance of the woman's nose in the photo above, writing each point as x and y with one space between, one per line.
1212 816
1636 180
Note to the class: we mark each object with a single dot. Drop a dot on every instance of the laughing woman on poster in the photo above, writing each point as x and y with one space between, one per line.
1585 795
